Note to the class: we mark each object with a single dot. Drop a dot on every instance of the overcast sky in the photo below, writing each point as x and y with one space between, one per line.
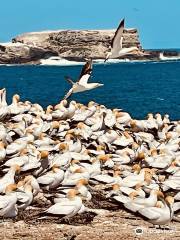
157 20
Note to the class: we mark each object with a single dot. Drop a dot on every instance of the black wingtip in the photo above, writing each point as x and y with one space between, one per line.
122 22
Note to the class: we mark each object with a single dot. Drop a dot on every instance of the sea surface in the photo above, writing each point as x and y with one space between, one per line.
135 87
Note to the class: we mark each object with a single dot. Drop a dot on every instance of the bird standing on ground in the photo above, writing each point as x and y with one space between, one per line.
117 49
82 84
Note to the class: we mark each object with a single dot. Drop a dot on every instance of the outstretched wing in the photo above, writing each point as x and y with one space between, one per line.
69 79
87 69
68 94
85 72
116 42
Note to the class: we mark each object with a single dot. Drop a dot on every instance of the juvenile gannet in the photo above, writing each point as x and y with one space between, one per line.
117 49
82 84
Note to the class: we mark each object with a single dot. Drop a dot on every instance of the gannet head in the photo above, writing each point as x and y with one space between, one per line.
108 56
169 200
168 135
135 146
69 137
133 194
136 168
71 194
161 178
44 154
2 145
55 168
55 125
28 188
20 184
91 104
63 147
159 193
140 156
28 178
138 186
79 170
175 163
10 188
16 168
115 187
23 152
80 125
82 182
16 98
49 109
153 152
150 116
159 204
148 177
133 123
117 173
103 157
127 135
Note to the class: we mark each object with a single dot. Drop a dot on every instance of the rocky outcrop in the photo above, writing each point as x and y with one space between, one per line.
70 44
78 44
17 53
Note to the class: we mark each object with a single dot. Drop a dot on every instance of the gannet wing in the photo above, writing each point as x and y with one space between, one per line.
132 206
122 198
46 180
4 203
69 79
60 209
151 213
116 42
85 72
84 79
68 94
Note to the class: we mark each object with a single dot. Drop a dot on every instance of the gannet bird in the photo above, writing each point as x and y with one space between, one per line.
117 49
68 206
8 178
8 201
82 84
159 216
25 196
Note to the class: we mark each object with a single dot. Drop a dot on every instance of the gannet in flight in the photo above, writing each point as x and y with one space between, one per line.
82 84
116 44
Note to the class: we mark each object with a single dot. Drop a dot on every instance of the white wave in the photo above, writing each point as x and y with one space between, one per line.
58 61
164 58
100 61
161 99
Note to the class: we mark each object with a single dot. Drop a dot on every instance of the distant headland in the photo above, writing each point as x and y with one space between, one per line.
74 45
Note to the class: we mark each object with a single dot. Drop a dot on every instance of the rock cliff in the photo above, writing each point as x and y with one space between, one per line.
70 44
77 45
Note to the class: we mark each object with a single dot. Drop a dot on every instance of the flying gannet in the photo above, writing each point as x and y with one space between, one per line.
117 49
82 84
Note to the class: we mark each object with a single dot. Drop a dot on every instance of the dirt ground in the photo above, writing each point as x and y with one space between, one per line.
111 225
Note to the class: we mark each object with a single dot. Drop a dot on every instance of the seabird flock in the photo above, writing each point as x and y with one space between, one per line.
62 155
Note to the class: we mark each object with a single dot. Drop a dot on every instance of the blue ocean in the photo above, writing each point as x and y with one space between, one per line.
135 87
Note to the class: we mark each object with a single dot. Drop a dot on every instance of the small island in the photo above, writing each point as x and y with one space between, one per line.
74 45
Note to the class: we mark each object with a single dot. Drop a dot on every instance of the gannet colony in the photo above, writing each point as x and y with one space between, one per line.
64 153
